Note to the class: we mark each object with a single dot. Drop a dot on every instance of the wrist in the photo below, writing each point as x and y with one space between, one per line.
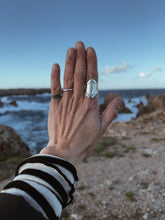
55 150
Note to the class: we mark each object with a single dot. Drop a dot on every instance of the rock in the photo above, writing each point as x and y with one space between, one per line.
1 104
108 99
9 92
147 152
76 217
154 103
11 144
147 96
13 103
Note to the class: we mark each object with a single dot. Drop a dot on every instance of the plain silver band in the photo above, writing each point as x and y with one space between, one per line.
65 90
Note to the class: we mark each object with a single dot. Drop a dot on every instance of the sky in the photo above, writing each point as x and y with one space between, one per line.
128 36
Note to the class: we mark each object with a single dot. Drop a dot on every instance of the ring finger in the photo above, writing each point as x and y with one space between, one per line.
69 71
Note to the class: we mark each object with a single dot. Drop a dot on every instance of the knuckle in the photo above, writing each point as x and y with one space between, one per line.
68 80
56 90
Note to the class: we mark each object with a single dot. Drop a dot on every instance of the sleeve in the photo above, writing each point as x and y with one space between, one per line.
44 184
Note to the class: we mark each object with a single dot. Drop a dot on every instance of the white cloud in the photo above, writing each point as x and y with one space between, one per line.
115 69
143 75
157 69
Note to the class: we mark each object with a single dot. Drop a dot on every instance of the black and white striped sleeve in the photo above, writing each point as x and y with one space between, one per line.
46 182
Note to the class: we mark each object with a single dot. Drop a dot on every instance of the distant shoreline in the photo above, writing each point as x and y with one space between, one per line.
9 92
33 92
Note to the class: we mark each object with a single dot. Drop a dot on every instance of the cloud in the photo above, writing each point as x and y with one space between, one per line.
143 75
157 69
115 69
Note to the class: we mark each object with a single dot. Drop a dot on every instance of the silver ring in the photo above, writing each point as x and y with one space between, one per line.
66 90
91 89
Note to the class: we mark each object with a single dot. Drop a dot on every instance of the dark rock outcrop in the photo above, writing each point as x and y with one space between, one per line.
154 103
11 144
13 103
108 99
1 104
9 92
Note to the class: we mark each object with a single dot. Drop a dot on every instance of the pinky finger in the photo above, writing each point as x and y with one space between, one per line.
55 80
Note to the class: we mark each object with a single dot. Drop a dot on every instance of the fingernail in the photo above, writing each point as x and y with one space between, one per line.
55 66
71 53
79 45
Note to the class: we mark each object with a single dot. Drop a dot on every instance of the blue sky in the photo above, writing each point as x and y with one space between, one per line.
128 36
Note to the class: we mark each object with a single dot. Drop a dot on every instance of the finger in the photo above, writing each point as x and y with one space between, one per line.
69 71
110 113
92 72
80 70
55 80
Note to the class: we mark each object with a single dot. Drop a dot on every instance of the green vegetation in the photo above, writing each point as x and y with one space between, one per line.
8 167
82 187
65 214
100 147
130 195
85 160
109 154
155 139
104 143
130 149
15 160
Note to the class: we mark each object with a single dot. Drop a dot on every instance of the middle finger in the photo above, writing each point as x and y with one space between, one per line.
80 70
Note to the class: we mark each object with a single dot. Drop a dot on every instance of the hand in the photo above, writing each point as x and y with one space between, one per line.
74 123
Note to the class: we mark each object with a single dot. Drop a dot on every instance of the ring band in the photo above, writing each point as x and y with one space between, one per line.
66 90
57 96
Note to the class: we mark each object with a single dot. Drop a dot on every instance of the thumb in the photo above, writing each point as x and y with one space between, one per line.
110 113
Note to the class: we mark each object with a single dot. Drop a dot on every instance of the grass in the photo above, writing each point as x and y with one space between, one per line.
130 149
155 139
104 143
100 147
85 160
130 195
65 214
82 187
8 167
109 154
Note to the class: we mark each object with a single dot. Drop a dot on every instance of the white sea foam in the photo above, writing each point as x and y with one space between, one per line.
132 106
24 105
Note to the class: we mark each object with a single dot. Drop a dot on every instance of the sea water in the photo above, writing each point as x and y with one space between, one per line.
29 119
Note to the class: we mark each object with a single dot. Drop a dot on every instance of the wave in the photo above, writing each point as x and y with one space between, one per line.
24 105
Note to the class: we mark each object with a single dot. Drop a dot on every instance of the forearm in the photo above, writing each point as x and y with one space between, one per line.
46 183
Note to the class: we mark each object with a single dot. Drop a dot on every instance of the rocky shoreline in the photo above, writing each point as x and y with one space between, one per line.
125 176
10 92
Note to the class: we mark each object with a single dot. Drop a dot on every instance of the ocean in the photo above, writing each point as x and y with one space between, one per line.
29 119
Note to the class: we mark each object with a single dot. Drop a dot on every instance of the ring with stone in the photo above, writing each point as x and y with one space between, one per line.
91 88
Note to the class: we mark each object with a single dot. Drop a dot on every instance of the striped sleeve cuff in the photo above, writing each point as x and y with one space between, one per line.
46 182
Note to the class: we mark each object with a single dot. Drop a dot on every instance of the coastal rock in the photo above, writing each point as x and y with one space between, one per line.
13 103
11 144
1 104
108 99
154 103
9 92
